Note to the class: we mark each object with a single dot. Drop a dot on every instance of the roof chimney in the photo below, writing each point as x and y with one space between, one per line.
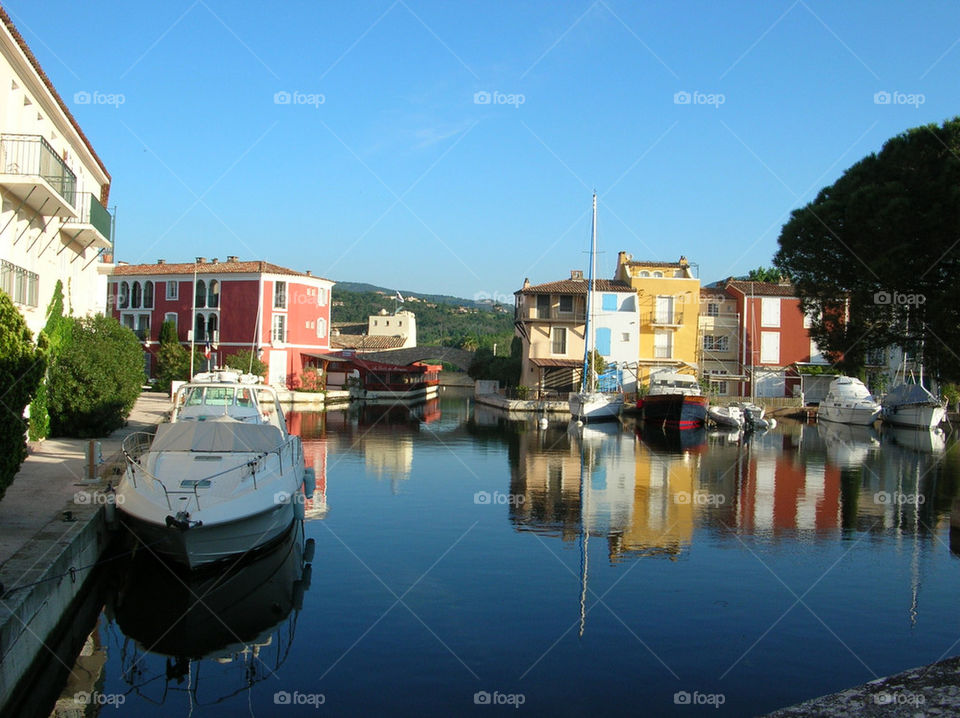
201 260
683 261
576 274
161 261
526 282
309 273
214 260
232 258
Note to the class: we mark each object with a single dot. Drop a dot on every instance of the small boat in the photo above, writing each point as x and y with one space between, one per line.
731 416
848 401
590 404
911 404
223 478
675 401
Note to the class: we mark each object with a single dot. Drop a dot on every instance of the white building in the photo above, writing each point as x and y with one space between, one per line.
403 324
53 193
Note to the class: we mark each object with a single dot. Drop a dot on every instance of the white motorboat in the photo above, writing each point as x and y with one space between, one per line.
590 404
223 478
848 401
909 404
731 416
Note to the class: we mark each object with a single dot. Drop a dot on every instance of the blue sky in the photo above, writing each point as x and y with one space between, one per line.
386 165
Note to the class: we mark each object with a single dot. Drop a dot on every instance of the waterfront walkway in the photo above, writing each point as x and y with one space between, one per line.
55 471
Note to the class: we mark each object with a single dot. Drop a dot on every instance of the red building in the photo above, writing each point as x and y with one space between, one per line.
774 336
232 306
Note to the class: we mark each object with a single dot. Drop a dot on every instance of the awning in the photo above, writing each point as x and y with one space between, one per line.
556 363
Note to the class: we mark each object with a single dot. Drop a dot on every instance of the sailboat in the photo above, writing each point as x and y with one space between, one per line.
590 404
909 403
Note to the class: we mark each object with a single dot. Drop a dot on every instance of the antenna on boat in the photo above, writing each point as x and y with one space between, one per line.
256 335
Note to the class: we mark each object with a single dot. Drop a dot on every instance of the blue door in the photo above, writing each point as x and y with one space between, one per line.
603 341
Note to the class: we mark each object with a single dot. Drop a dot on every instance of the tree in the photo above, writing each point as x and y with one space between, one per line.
764 274
96 379
173 361
242 360
21 370
875 257
53 337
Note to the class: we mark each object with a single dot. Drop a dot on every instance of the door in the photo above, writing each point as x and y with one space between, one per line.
664 312
278 368
602 339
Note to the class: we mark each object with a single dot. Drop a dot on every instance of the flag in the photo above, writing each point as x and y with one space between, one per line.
206 351
399 296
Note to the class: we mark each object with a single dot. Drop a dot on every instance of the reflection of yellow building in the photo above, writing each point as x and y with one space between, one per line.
664 504
388 456
669 302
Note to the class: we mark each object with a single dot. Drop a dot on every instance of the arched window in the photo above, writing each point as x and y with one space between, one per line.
212 333
148 295
198 329
321 327
644 273
322 296
124 299
201 298
658 274
137 296
213 294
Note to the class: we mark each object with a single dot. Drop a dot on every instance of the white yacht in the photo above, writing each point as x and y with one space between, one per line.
848 401
222 478
908 404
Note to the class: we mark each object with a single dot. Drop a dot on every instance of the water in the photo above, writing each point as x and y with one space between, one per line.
459 558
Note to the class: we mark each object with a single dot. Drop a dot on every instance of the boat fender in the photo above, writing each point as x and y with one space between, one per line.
299 510
309 482
297 597
771 423
309 549
306 577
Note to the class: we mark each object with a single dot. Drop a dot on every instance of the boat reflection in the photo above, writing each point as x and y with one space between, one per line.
848 445
234 626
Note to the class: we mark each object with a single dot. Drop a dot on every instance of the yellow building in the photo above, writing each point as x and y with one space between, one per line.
668 298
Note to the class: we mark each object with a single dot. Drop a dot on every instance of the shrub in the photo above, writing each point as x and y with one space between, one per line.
311 380
21 370
54 337
241 361
96 379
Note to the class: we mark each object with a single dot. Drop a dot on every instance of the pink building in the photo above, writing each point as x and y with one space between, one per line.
232 306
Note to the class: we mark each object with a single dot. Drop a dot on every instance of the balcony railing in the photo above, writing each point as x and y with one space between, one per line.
32 155
666 319
94 213
553 315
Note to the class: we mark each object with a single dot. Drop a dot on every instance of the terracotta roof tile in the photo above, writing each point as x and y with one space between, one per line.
576 286
762 289
375 343
126 270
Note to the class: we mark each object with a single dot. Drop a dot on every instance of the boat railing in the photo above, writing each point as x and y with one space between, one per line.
133 447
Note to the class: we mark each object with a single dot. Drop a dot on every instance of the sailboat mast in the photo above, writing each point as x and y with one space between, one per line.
586 381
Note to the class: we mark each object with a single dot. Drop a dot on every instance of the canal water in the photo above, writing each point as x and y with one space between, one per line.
455 561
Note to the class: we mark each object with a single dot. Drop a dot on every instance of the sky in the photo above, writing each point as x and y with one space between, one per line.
453 147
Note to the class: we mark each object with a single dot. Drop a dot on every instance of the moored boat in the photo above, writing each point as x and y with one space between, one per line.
675 401
848 401
908 404
730 416
223 478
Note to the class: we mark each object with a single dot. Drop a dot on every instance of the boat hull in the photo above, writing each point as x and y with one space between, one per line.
206 544
860 416
675 411
595 407
923 416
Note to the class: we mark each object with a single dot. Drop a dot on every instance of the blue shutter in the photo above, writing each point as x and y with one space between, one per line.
609 302
603 341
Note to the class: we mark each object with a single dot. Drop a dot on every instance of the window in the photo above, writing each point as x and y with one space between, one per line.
678 273
137 297
148 295
20 284
322 297
770 312
199 329
173 289
602 343
644 273
171 317
280 295
213 333
662 344
200 297
717 386
321 327
664 311
543 306
609 302
558 340
566 303
213 294
123 300
279 330
713 309
625 337
658 274
769 347
716 343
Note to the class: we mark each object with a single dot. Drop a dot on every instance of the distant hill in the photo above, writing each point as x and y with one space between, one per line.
452 321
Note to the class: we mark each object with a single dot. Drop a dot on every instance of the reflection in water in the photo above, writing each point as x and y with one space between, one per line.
209 635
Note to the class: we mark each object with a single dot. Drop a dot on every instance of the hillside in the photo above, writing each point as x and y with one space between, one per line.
460 322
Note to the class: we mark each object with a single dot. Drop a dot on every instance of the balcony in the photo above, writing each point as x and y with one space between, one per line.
666 319
32 172
93 225
554 315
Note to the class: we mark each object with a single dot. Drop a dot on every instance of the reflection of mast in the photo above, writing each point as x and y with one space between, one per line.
584 537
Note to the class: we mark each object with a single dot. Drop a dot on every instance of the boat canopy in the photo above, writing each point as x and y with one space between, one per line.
221 436
902 394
